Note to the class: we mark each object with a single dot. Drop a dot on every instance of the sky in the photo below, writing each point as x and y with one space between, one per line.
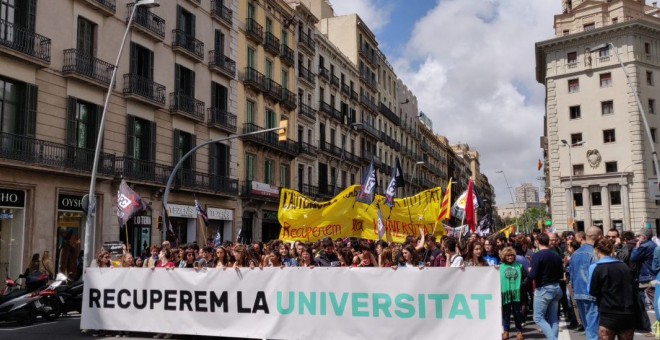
471 64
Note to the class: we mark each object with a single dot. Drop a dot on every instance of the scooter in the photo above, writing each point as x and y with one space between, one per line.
21 304
50 305
70 295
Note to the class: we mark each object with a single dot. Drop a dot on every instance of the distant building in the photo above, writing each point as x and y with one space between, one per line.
516 210
527 193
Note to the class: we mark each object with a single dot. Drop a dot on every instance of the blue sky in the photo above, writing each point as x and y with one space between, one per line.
471 65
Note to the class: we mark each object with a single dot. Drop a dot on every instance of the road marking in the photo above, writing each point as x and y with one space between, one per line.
26 327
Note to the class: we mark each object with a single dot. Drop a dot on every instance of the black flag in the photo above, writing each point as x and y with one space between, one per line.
367 191
395 182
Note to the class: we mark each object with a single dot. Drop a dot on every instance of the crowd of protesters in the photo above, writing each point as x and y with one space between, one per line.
600 284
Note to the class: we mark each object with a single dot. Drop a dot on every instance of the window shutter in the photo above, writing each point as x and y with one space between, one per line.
214 95
193 143
223 160
177 78
179 18
30 104
213 159
192 25
175 153
152 141
223 98
130 136
71 123
150 68
132 68
192 85
31 15
95 125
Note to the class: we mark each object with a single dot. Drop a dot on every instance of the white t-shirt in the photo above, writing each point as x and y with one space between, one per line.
456 261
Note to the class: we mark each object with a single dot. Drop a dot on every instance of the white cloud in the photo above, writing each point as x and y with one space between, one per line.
471 65
375 14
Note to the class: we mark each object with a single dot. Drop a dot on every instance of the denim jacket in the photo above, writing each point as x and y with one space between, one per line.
644 256
579 271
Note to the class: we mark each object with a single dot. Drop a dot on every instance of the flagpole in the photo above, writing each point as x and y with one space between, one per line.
126 230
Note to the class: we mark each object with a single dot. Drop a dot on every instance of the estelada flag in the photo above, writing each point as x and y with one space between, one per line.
445 206
129 203
367 192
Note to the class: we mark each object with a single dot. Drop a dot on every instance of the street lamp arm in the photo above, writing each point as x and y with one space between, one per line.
179 164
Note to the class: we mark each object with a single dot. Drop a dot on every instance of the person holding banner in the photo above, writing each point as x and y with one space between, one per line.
454 259
164 260
328 257
287 259
222 258
306 257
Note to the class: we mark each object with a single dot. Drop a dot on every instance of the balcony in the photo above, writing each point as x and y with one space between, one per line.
272 44
144 89
368 103
368 156
147 22
52 156
334 81
354 95
273 90
324 73
307 42
288 99
191 180
221 13
222 119
222 64
369 129
369 55
307 111
260 191
330 111
255 80
389 114
345 89
269 140
368 80
141 170
306 75
186 106
254 31
310 191
18 39
306 149
330 149
86 67
195 2
287 55
187 45
106 7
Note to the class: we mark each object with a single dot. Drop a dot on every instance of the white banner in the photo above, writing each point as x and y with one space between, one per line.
297 303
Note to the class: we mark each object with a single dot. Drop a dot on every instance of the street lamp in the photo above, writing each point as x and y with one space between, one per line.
570 175
515 210
639 104
91 206
414 173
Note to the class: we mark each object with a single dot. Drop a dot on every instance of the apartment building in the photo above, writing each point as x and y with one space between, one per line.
597 151
410 153
527 192
175 88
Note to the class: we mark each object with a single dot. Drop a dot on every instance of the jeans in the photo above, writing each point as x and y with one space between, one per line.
646 323
515 308
546 306
589 315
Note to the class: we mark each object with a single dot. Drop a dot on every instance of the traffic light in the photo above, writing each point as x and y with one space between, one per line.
281 133
548 223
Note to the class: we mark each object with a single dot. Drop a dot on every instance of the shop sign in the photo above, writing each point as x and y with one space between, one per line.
142 220
12 198
6 216
263 189
270 215
177 210
220 214
69 202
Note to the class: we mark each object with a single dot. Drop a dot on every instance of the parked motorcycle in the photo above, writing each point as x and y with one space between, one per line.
70 294
50 305
22 305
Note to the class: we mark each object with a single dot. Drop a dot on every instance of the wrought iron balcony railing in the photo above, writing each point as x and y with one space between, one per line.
287 55
368 128
354 95
308 149
324 72
273 89
307 111
272 43
221 12
369 55
368 80
389 114
89 67
51 155
254 79
144 88
306 75
334 81
143 170
307 41
108 7
254 31
310 191
147 21
185 42
222 119
187 105
248 190
270 140
24 41
289 99
222 63
368 103
346 89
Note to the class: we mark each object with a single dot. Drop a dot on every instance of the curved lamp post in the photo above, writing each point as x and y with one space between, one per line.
91 206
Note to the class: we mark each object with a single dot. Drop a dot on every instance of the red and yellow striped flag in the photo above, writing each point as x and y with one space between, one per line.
445 206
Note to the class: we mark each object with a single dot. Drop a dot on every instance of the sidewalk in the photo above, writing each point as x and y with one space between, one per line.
566 334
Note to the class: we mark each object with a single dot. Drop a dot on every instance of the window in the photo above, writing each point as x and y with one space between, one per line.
566 32
86 40
590 26
615 197
577 199
653 134
184 142
284 175
285 37
647 48
576 138
250 160
249 112
18 107
652 106
83 121
609 136
142 64
285 79
607 107
185 21
596 198
615 21
268 171
271 122
611 167
140 139
649 78
219 42
219 160
575 112
605 79
604 52
571 57
578 169
218 97
573 85
184 82
251 54
269 69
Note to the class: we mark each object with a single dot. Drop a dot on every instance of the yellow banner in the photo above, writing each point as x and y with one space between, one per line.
304 219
